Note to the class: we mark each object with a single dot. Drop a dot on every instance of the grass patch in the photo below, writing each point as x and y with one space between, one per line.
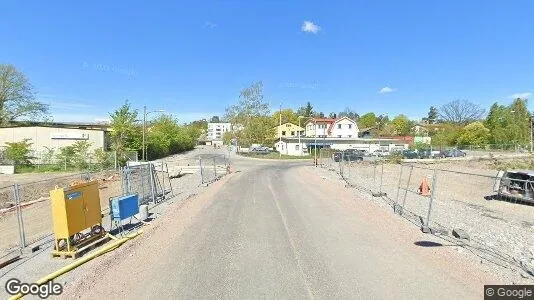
274 155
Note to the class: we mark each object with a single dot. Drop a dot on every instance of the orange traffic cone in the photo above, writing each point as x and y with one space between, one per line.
424 188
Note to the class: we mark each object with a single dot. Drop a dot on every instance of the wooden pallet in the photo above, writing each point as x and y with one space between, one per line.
86 245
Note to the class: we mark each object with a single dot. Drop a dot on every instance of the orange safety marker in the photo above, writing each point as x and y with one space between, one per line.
424 188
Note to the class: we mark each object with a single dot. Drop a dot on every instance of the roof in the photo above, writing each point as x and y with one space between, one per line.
289 123
73 125
321 120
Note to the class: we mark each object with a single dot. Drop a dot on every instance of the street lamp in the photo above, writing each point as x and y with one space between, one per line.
145 113
300 146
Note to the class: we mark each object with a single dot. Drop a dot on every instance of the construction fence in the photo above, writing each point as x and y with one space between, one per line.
25 212
453 204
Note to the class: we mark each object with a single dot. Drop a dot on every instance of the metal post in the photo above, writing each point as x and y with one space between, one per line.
381 177
395 209
426 228
406 190
143 156
530 118
152 182
142 178
374 175
163 180
22 235
315 154
115 159
201 173
215 168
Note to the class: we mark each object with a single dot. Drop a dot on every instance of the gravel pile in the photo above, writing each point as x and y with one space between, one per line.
500 232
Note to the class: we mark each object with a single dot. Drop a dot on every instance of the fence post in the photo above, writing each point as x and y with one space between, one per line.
163 180
215 167
406 190
381 178
426 228
20 221
374 175
152 181
200 166
115 159
395 208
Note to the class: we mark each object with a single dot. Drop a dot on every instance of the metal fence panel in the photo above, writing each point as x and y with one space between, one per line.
9 222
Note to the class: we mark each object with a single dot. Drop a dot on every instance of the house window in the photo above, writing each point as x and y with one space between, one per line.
288 125
338 126
297 147
350 126
339 136
283 133
350 136
292 133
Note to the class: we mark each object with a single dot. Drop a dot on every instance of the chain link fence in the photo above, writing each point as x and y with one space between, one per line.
460 206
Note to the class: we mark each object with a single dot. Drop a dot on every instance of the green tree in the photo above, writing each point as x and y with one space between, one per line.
306 110
126 134
104 160
349 113
166 137
19 152
81 154
288 115
17 97
432 115
251 105
402 125
332 115
367 120
260 131
447 135
215 119
473 134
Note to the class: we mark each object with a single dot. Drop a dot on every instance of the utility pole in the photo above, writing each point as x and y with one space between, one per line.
315 154
530 120
280 131
300 146
144 126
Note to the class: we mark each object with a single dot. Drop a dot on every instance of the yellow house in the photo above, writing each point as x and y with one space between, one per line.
288 130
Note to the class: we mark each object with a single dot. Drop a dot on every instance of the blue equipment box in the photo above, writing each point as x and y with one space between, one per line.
124 207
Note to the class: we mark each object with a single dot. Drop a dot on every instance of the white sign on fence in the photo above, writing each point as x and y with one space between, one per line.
69 136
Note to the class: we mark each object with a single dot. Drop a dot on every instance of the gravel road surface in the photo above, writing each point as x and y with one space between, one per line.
279 230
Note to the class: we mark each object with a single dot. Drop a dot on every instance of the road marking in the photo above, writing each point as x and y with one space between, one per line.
291 243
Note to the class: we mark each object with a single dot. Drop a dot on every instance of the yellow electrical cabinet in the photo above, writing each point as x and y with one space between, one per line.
74 210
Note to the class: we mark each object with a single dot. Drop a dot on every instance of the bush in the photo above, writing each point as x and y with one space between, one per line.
19 153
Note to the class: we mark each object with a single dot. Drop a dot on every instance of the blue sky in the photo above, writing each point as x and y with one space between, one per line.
192 58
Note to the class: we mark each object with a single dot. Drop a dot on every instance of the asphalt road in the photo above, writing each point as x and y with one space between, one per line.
276 231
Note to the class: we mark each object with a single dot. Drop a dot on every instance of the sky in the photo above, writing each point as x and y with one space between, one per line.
192 58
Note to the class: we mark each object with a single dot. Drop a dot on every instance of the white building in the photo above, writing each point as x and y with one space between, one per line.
318 127
216 130
291 146
343 128
334 128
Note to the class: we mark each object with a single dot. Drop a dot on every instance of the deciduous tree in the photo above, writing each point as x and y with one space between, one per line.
17 97
460 112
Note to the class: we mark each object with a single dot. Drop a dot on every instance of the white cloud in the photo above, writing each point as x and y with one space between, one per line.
386 90
210 25
521 95
309 26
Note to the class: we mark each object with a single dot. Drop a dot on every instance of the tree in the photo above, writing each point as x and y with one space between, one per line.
402 125
288 115
306 110
368 120
167 137
432 115
125 133
349 113
447 135
19 152
215 119
17 98
509 124
332 115
474 134
460 112
251 105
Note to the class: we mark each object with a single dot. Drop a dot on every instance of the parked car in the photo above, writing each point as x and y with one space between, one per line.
348 155
259 150
452 153
411 154
381 152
